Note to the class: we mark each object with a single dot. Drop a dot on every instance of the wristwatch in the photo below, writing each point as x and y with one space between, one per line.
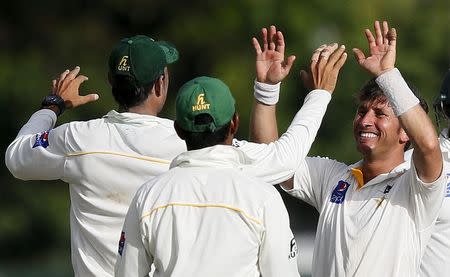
55 100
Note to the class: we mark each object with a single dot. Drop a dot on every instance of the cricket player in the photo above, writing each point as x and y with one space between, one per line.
105 160
376 215
205 216
435 260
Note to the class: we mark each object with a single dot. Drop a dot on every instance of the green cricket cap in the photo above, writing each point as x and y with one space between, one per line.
141 58
204 95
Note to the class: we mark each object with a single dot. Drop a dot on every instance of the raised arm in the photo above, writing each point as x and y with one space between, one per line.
37 142
271 69
427 155
326 62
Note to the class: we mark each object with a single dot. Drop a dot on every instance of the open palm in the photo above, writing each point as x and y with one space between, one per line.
382 50
271 66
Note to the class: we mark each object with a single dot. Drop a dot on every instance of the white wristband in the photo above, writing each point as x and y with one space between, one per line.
397 91
266 93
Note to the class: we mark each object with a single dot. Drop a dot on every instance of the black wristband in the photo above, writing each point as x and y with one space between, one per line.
56 100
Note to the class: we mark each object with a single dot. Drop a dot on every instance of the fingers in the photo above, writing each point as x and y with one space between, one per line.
272 37
316 53
324 72
256 45
341 61
370 38
289 62
379 36
66 77
336 55
54 86
385 33
280 43
392 37
315 56
359 55
73 73
88 98
62 76
79 80
325 54
264 35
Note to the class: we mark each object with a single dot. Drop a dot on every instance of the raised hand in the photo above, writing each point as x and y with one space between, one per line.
382 50
326 62
271 67
67 87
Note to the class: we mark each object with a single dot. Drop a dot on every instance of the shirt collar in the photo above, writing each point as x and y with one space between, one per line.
355 170
214 156
131 118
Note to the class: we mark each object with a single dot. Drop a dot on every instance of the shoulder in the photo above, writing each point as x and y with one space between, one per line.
327 163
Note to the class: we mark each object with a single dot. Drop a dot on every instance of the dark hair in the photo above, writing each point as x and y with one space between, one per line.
198 140
442 102
126 93
371 92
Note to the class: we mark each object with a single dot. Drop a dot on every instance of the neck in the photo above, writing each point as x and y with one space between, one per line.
371 167
148 107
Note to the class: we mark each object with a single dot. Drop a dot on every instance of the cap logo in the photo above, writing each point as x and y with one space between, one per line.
123 64
201 103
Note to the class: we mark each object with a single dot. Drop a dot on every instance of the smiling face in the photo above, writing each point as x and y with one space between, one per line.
377 129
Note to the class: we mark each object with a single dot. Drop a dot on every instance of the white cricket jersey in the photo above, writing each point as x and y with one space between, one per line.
207 217
379 229
106 160
436 259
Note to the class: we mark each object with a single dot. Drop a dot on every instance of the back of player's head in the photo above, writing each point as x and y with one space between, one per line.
204 110
442 103
135 64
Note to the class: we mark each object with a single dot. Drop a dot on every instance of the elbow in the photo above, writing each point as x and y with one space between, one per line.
12 164
429 146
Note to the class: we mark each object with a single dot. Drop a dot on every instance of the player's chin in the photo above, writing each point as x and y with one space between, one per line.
364 147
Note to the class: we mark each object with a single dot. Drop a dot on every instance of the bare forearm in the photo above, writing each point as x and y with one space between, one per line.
416 123
263 123
427 154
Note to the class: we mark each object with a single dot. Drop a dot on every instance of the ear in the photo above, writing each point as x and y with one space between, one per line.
403 138
159 86
180 132
234 124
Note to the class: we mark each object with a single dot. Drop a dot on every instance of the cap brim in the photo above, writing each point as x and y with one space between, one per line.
170 51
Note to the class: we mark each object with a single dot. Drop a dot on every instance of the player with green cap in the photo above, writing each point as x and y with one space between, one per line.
104 160
215 213
107 159
205 216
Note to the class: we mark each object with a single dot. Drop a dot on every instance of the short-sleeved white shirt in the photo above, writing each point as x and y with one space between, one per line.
379 229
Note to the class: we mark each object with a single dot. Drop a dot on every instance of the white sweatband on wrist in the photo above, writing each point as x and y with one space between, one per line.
266 93
397 91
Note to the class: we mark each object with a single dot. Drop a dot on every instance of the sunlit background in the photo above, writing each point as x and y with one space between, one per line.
40 39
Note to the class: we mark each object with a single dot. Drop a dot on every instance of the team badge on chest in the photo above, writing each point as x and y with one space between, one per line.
338 195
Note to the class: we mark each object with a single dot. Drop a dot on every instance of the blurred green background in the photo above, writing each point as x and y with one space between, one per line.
41 39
